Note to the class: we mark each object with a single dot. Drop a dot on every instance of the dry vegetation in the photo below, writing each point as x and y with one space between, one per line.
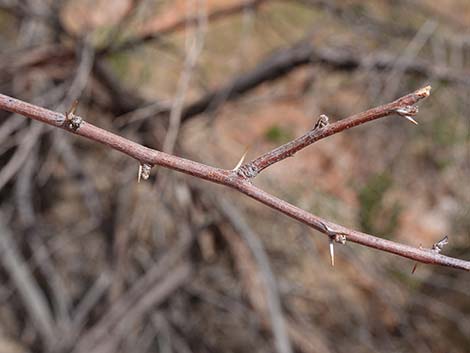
92 261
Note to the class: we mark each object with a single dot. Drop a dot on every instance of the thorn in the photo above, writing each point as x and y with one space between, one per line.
409 118
407 112
436 248
332 252
140 173
73 121
73 108
334 237
240 162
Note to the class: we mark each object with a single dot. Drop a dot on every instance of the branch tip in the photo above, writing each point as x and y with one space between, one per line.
424 92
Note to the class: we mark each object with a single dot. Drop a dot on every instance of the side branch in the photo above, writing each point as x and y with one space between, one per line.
401 106
329 228
76 125
141 153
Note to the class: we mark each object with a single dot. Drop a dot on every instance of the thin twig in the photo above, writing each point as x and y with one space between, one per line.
408 55
34 299
20 157
128 301
182 23
88 302
233 180
302 53
194 46
322 129
273 299
160 291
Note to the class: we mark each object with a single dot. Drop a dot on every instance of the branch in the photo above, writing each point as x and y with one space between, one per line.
272 305
286 60
180 24
144 155
35 302
322 129
274 66
351 17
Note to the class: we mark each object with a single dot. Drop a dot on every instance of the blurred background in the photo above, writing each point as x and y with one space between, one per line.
92 261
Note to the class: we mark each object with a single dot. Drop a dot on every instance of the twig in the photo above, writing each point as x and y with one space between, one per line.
409 54
233 180
194 46
35 302
24 150
75 168
322 129
61 300
88 302
128 301
303 53
272 67
364 22
176 340
182 23
160 291
273 299
76 87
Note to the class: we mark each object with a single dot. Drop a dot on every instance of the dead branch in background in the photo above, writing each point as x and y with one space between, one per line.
302 53
272 67
182 23
268 280
194 45
157 283
28 288
403 105
351 16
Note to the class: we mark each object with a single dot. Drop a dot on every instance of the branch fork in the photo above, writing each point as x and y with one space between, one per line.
239 179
